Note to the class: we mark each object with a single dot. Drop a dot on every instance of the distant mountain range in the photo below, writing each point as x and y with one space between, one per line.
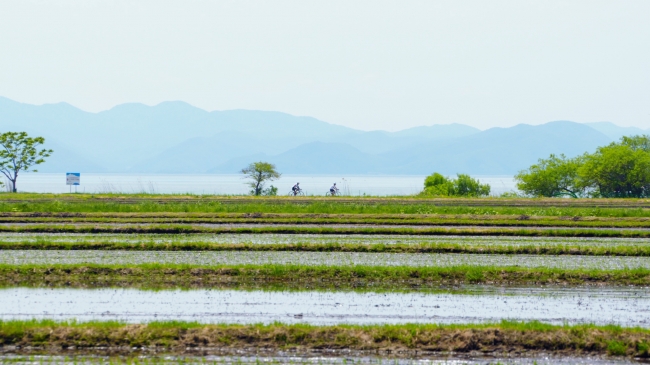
175 137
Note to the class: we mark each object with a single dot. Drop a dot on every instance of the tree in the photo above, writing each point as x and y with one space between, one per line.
552 177
464 185
259 173
438 185
637 143
19 152
620 170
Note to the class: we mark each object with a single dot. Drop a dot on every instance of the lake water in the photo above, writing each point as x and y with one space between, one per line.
235 185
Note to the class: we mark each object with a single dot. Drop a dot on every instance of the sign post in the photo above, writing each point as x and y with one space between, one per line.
73 178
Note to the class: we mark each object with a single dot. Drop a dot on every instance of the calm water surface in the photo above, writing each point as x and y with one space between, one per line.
309 360
100 257
234 184
622 306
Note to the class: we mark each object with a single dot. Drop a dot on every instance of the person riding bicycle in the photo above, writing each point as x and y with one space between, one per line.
296 188
334 189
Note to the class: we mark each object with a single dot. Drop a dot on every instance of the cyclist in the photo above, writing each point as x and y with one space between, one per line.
334 190
296 189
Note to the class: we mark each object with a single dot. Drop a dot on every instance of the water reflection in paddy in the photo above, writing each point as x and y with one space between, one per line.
70 257
623 306
261 239
311 360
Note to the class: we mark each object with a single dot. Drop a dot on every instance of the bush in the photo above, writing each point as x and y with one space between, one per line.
271 191
464 185
616 348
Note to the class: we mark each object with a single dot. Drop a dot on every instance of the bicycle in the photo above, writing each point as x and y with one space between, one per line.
298 192
333 193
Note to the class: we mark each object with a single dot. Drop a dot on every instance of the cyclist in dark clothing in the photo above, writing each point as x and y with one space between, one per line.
334 189
296 188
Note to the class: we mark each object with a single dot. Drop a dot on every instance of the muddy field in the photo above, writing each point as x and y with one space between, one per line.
591 268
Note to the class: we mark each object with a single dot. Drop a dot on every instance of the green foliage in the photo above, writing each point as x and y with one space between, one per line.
512 195
552 177
620 170
305 276
259 173
20 152
616 348
437 185
464 185
271 191
637 143
324 229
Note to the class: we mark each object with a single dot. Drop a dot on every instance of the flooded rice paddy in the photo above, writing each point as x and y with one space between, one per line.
308 360
621 306
207 258
262 239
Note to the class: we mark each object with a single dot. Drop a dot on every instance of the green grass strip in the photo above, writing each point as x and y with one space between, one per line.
298 277
325 216
186 229
490 221
53 337
532 249
314 205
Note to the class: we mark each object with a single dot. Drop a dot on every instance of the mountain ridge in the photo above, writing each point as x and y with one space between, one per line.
177 137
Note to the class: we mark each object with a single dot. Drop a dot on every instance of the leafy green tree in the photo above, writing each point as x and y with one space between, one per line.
259 173
19 152
637 143
620 170
552 177
464 185
437 185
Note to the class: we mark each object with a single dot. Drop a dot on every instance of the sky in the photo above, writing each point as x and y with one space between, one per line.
369 65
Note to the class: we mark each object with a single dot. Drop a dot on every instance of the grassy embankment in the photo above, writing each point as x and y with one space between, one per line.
470 248
327 219
338 205
186 338
324 230
300 277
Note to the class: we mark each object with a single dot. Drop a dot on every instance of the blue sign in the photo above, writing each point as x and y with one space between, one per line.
73 178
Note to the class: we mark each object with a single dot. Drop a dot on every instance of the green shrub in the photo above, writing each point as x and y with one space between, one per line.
464 185
616 348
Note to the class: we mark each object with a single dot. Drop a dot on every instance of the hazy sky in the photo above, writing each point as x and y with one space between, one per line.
365 64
